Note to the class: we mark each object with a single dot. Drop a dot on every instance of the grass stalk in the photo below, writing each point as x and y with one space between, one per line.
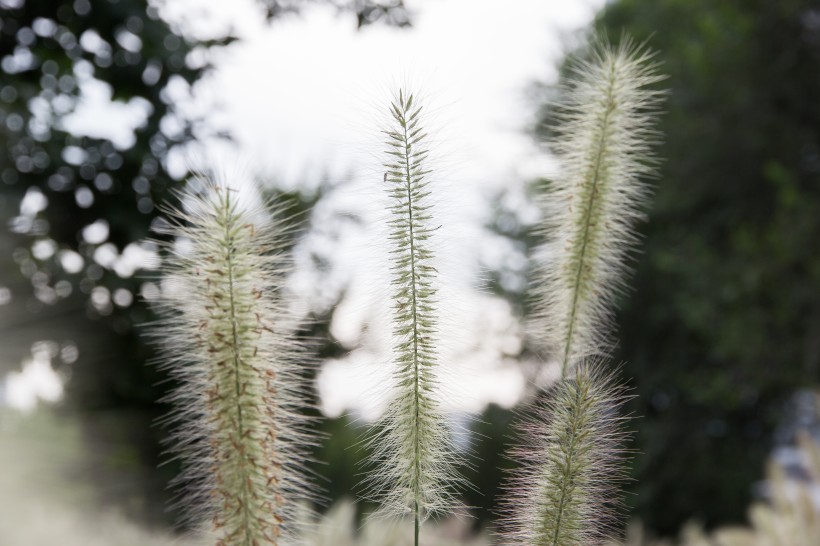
572 454
603 141
228 342
411 444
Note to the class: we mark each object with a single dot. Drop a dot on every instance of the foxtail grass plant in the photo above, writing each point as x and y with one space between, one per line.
228 343
572 455
572 459
603 143
411 444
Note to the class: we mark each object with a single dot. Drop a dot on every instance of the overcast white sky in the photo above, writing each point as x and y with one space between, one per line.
300 94
304 98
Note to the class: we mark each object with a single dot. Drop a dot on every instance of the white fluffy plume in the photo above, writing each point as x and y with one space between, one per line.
411 446
573 463
572 455
603 143
228 342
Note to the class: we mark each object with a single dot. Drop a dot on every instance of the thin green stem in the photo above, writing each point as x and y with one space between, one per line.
567 478
413 294
237 362
416 540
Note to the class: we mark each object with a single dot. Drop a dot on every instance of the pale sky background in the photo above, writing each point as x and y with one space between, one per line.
305 98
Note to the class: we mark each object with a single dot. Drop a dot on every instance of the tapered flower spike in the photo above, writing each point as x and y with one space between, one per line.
572 457
228 343
412 444
606 128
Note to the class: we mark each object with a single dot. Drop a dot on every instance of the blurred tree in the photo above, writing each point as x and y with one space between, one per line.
63 275
724 321
79 194
391 12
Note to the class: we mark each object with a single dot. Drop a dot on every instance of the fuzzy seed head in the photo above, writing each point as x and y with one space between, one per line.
604 143
411 445
573 463
228 343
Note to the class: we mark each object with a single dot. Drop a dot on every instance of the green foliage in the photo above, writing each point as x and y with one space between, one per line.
724 323
788 516
84 179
